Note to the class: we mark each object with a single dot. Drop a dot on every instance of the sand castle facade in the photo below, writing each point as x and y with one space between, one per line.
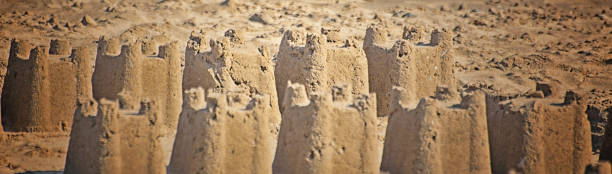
409 64
42 85
108 139
327 133
319 64
227 132
437 136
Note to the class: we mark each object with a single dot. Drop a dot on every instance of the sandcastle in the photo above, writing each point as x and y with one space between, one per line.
319 64
108 139
41 85
145 68
327 133
538 136
128 108
226 132
437 136
409 64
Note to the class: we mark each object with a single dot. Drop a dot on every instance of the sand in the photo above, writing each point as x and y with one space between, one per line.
506 49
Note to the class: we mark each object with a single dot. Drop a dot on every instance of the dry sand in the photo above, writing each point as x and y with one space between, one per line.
505 48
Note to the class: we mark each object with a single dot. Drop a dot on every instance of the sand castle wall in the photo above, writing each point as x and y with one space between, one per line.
108 139
409 64
224 132
144 68
538 136
41 85
318 63
323 133
437 136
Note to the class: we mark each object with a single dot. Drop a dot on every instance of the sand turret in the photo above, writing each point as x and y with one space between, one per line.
437 136
319 63
408 63
539 135
108 139
224 132
143 68
325 132
229 64
42 85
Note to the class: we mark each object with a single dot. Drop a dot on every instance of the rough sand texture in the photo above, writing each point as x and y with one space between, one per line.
437 136
325 132
226 132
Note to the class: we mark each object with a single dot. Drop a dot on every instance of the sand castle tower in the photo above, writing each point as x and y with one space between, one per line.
327 133
146 68
437 136
319 62
539 135
408 63
224 132
230 64
42 85
108 139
